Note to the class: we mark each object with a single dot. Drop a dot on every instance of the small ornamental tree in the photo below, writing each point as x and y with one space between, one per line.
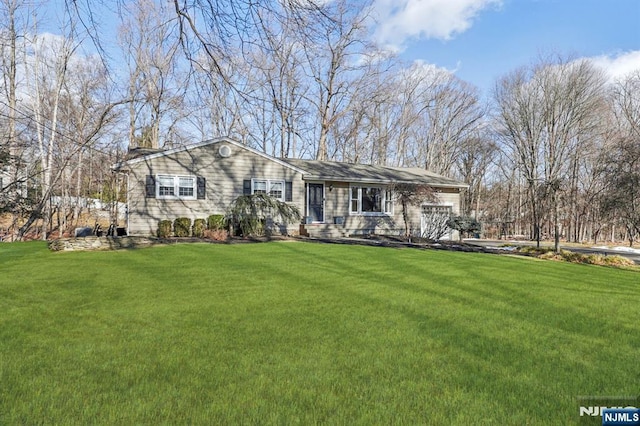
434 224
464 225
411 194
249 213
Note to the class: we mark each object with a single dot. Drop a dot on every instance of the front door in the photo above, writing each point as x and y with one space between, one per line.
316 202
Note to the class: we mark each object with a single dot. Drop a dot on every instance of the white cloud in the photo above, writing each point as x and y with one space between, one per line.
618 66
425 71
399 20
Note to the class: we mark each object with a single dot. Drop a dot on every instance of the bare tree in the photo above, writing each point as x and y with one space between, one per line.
622 196
51 63
412 87
151 47
435 223
366 130
626 97
519 125
544 112
279 61
216 108
12 163
451 115
87 114
65 117
333 45
476 155
622 167
573 96
408 194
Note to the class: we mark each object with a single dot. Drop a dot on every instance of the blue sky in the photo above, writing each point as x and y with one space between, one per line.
481 40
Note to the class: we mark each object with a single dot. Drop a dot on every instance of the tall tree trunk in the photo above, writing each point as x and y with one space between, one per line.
13 148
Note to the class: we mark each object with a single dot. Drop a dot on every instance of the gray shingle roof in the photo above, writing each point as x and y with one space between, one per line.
351 172
321 170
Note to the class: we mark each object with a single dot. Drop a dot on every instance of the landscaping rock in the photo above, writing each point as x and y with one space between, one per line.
101 243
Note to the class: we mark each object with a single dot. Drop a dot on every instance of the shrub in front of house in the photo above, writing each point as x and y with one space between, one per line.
590 259
199 226
465 225
164 229
216 234
534 251
248 214
616 260
215 222
182 227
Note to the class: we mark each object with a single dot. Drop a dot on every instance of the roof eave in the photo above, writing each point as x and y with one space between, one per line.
310 177
120 165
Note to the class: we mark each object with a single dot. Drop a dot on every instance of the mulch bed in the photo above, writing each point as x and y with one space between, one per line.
368 240
401 241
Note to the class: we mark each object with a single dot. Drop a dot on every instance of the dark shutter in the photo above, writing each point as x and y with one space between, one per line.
150 186
288 191
246 187
202 187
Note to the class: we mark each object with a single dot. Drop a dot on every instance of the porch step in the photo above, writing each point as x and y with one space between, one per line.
323 230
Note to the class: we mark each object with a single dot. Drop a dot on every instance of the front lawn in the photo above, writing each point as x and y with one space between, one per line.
293 332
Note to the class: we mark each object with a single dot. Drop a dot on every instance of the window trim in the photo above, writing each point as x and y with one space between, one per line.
268 184
176 187
386 204
438 207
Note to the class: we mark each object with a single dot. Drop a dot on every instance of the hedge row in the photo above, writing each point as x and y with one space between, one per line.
182 227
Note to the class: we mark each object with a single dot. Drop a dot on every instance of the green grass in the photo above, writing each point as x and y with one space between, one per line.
291 332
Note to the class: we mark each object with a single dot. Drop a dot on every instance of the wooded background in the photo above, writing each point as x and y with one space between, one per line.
553 150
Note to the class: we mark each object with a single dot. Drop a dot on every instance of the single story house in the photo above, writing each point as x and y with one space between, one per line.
335 199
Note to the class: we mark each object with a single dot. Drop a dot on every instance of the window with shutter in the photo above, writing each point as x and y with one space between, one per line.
150 185
202 188
273 187
288 191
172 187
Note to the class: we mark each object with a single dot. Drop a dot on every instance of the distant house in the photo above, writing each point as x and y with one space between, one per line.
336 199
13 184
4 179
